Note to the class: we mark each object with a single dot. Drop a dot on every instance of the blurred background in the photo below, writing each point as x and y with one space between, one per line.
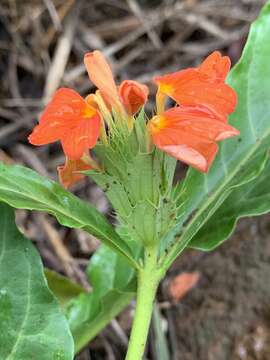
211 306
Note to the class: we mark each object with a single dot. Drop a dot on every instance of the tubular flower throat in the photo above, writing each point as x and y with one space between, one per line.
189 132
101 75
129 97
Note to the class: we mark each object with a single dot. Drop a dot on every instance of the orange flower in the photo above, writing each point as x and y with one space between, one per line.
216 66
69 173
190 133
101 75
133 95
70 119
203 86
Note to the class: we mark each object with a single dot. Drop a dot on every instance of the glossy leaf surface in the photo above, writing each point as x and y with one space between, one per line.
62 287
23 188
31 323
113 283
251 199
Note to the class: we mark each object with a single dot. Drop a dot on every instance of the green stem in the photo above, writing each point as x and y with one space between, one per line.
148 280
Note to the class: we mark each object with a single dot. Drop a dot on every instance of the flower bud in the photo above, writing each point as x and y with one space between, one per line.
133 95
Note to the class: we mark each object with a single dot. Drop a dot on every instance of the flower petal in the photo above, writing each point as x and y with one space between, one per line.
200 122
190 134
65 106
81 138
203 86
187 148
68 173
101 75
189 87
133 95
216 66
47 133
199 155
61 114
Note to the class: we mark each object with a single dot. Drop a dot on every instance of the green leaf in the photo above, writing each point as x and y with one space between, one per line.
113 283
251 199
240 159
62 287
23 188
31 323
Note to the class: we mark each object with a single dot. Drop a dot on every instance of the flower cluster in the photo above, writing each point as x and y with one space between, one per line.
77 122
189 131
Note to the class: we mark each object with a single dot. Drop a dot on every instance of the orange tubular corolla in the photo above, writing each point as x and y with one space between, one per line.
133 95
201 86
69 174
190 133
101 75
70 119
127 99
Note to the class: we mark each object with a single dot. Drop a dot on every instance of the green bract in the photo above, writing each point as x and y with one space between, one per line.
138 184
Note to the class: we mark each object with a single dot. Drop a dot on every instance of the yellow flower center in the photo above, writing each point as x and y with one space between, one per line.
165 88
163 91
157 123
89 111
